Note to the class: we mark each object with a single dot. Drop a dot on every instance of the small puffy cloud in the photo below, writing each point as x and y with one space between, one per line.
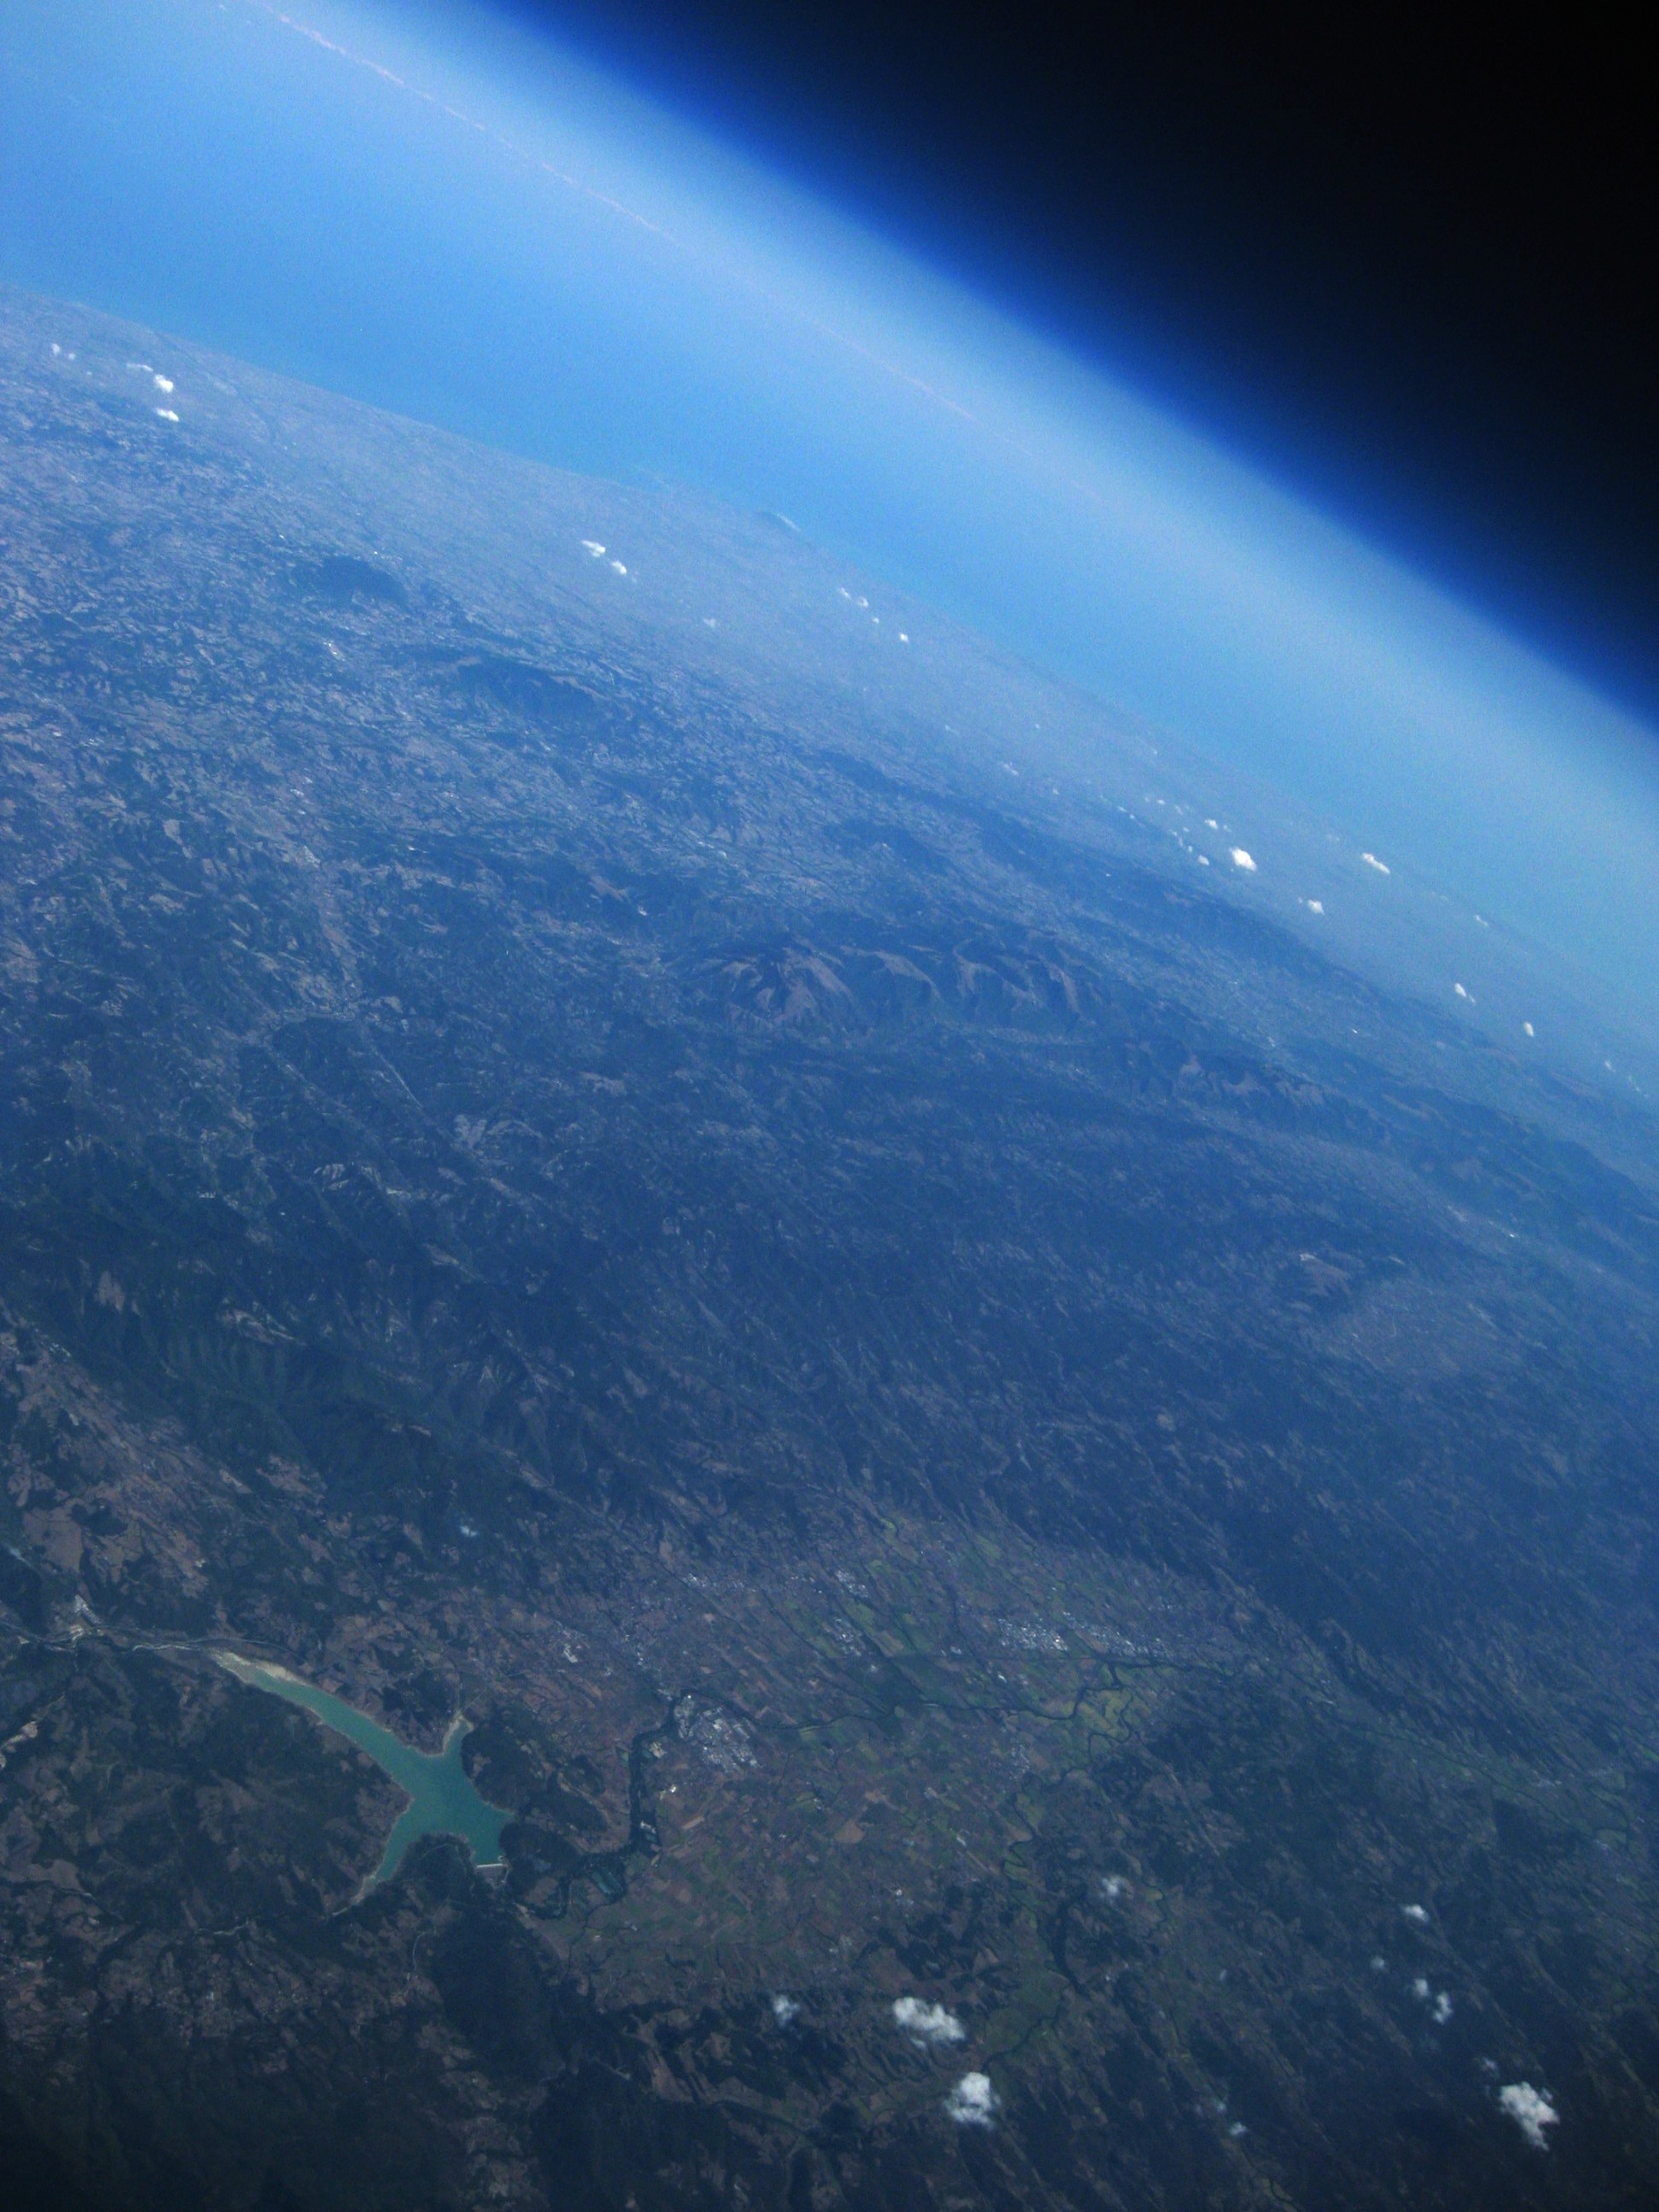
620 567
594 549
904 637
973 2102
929 2026
141 368
1461 992
1241 858
55 349
1210 821
1315 906
167 414
785 2010
1529 1028
1421 1990
161 382
1443 2009
1416 1915
1531 2111
1371 861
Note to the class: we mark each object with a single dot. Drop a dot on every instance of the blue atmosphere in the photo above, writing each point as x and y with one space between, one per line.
437 212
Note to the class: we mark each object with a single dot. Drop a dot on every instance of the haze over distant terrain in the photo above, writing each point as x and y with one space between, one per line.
426 210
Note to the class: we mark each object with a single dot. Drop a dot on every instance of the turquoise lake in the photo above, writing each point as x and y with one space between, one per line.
442 1800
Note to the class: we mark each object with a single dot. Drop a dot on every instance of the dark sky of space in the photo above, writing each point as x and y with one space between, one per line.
1410 262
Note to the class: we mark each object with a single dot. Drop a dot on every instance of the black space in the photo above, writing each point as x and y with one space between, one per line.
1408 262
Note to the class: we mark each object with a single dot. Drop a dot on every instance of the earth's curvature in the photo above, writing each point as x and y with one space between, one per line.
1038 1479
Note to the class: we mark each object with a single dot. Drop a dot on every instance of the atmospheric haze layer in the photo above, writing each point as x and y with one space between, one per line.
434 210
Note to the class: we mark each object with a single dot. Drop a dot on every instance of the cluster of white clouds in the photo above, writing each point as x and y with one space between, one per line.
930 2026
859 601
1531 2111
595 551
973 2102
164 385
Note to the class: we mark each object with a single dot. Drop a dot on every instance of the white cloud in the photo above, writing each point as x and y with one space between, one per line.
141 368
1416 1914
1529 1029
55 349
1210 821
592 545
620 567
1241 858
973 2102
1442 2008
167 414
904 637
1315 906
1531 2111
929 2026
1461 992
1421 1990
161 382
784 2009
1371 861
